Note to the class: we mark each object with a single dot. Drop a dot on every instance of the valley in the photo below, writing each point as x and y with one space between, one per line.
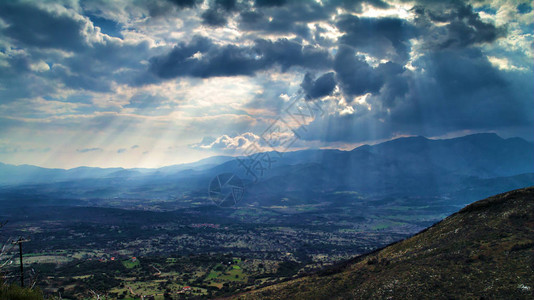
157 233
72 246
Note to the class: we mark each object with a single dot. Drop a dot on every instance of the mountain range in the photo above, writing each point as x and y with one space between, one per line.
465 168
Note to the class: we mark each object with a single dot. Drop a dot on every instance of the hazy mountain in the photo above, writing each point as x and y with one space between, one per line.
483 251
407 166
26 174
458 168
10 174
200 165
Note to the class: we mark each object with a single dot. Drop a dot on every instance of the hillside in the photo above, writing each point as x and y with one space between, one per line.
483 251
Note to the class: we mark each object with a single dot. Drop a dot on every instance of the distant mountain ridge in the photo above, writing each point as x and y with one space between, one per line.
485 152
464 168
413 165
482 252
23 174
469 155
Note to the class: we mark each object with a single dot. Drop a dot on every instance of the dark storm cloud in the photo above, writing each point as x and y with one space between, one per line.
463 29
356 4
34 27
185 3
288 53
269 3
320 87
291 17
214 17
218 12
257 21
328 5
202 58
226 4
459 90
384 37
294 16
16 80
213 60
157 8
462 72
355 76
92 66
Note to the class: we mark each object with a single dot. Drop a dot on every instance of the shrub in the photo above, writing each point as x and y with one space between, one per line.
15 292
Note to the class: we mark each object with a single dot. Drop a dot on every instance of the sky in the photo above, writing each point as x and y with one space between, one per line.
133 83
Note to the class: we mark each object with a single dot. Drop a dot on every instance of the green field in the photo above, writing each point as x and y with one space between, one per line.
129 264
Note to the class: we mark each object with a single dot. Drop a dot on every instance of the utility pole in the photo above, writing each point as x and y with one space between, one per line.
19 242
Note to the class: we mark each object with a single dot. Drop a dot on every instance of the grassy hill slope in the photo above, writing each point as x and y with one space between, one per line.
486 250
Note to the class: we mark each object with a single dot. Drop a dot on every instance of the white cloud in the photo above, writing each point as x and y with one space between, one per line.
237 143
40 66
504 64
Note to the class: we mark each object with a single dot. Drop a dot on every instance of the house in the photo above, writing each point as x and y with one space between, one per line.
186 288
